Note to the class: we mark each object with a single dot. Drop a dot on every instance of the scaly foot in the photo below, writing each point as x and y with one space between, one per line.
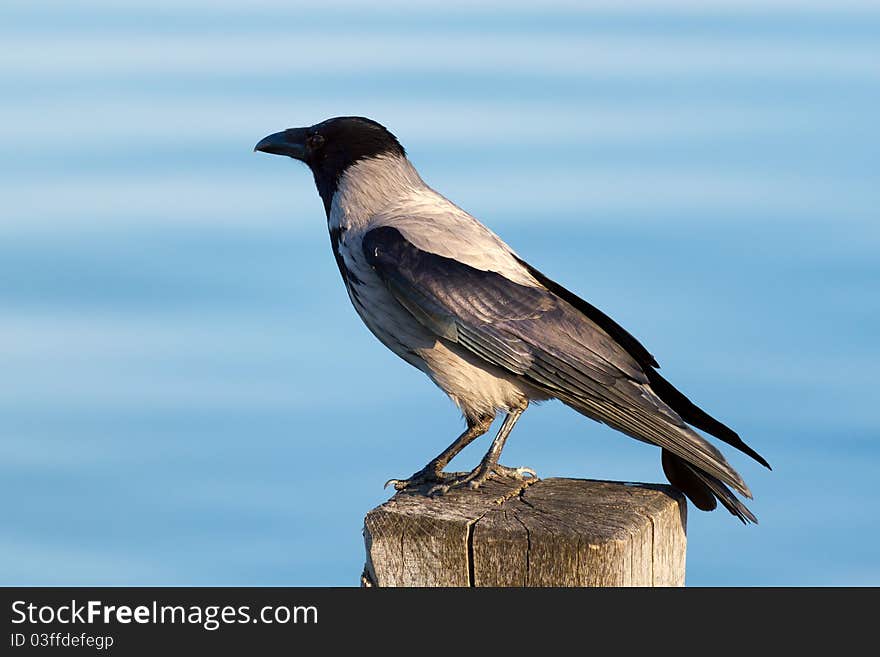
478 476
427 475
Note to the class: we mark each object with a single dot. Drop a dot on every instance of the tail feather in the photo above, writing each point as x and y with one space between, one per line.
687 482
694 415
703 489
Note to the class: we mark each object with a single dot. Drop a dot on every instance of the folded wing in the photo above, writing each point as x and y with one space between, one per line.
534 333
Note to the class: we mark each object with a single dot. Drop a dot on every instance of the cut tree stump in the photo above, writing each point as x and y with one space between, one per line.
551 532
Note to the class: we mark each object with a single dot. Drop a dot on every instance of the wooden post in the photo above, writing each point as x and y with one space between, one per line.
552 532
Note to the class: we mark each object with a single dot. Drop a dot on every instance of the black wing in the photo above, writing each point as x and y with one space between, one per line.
674 398
533 333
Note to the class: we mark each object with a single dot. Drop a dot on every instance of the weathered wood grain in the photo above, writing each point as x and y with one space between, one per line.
553 532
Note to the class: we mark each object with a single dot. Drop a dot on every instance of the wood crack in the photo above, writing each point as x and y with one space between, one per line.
472 579
528 548
471 527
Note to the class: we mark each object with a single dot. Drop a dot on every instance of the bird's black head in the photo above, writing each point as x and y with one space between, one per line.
330 147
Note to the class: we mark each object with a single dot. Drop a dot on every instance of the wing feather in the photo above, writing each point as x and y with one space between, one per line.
533 333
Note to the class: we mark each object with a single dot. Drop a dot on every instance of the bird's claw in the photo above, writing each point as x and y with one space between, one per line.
443 483
420 478
403 484
476 478
518 473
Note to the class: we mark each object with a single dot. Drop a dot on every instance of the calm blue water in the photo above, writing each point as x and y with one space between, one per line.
187 396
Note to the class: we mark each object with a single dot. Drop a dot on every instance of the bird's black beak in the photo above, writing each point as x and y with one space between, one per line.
290 142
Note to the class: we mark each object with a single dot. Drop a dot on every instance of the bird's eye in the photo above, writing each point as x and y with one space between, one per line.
315 142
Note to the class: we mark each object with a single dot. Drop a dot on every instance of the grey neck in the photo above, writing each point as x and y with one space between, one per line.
370 187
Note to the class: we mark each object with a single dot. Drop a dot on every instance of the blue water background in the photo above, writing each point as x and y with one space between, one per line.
187 396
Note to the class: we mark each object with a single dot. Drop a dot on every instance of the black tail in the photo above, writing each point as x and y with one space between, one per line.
697 417
704 490
688 411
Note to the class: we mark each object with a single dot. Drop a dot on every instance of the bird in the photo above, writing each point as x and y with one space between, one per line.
448 296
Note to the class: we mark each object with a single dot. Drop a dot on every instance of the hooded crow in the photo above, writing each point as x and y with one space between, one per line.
448 296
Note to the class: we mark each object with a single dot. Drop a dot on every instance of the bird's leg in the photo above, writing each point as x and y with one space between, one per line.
433 472
489 465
